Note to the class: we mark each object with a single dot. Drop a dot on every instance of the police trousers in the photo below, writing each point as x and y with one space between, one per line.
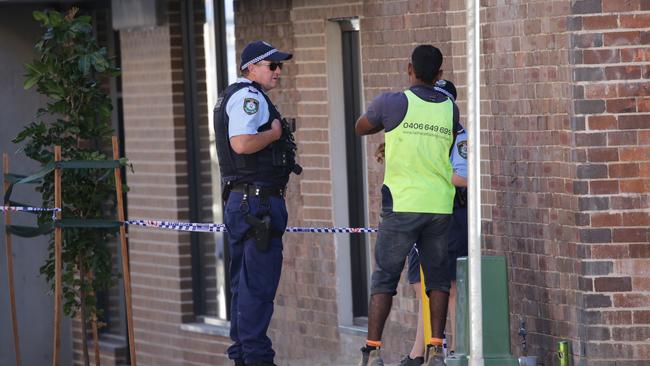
254 276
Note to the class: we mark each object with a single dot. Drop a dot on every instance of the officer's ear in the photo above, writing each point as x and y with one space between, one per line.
249 69
410 69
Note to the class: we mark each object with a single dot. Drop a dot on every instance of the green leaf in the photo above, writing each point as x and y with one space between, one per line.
55 18
41 17
30 81
84 64
104 110
39 45
21 136
34 68
85 19
79 27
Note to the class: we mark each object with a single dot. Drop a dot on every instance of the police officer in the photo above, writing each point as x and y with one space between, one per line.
420 125
256 154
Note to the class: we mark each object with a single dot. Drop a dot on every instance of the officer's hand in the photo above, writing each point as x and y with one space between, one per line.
276 129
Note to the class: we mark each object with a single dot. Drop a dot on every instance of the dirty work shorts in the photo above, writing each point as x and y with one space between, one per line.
457 246
397 233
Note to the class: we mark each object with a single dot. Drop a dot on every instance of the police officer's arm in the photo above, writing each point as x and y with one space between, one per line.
247 111
459 159
458 181
252 143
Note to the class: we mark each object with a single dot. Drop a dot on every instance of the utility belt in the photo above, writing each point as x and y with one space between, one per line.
253 190
261 230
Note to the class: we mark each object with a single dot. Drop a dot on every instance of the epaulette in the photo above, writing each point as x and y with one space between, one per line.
251 89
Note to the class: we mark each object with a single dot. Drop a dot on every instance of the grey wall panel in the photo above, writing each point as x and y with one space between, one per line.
18 33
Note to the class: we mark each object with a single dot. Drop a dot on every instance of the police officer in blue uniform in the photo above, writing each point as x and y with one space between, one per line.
256 152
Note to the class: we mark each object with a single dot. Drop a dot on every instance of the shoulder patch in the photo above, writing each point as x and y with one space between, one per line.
462 149
251 105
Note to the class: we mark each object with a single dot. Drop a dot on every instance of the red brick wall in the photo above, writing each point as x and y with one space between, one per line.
612 153
529 205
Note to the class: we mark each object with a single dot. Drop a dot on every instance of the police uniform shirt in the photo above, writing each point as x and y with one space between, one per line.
247 110
459 154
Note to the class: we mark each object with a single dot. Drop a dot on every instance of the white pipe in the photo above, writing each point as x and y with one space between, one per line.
474 154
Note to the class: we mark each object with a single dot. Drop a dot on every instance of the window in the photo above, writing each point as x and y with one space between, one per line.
210 251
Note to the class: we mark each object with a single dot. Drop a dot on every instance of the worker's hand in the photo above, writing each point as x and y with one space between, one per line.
380 153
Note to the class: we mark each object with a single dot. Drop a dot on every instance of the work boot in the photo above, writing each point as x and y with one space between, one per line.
435 357
408 361
370 357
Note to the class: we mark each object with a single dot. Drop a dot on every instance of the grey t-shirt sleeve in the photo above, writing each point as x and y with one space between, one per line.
387 109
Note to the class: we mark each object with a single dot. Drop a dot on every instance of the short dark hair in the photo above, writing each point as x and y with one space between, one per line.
426 60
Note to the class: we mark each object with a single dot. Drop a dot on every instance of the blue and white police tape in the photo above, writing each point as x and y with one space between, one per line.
180 226
28 209
213 228
200 227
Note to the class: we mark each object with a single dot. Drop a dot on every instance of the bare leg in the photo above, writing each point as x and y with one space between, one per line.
452 314
378 311
418 345
438 307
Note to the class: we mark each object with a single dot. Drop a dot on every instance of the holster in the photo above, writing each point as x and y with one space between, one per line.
225 191
260 230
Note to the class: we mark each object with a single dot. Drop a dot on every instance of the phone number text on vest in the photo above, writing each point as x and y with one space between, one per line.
426 127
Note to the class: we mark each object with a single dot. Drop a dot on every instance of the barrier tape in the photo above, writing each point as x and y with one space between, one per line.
213 228
204 227
28 209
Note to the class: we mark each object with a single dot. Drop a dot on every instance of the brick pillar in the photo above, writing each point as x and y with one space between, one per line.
612 127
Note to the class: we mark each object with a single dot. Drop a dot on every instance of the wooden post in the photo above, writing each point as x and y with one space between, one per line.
57 260
93 320
125 254
96 338
10 266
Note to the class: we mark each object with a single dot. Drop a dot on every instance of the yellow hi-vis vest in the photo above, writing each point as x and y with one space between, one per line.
418 171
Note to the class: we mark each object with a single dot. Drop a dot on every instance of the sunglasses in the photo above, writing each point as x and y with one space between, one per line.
273 65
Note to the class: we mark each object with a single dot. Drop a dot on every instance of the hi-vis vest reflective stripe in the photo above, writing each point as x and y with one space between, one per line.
418 171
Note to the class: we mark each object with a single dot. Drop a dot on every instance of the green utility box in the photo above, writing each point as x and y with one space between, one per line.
496 323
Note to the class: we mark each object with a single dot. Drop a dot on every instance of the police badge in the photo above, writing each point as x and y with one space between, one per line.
251 105
462 149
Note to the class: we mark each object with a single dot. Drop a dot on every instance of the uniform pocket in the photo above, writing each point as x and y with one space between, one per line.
234 218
